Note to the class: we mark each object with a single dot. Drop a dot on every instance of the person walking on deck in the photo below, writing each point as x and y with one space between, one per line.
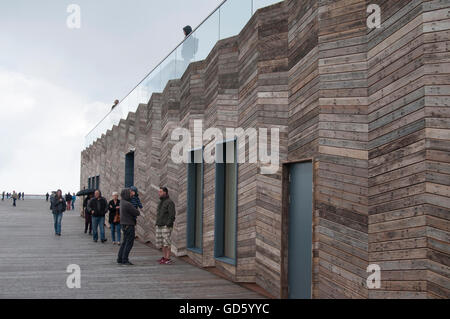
14 198
3 196
69 200
74 198
58 207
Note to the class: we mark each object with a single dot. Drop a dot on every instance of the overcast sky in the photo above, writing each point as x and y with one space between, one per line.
56 83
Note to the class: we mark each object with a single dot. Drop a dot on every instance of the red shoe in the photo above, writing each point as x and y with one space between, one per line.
167 262
161 259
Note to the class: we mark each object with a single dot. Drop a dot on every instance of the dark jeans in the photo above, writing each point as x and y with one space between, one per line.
98 222
115 229
88 222
57 218
127 243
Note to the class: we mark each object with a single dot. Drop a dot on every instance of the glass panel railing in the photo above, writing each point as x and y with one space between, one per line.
258 4
234 15
202 40
226 21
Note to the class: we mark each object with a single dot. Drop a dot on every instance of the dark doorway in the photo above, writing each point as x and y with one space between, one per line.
195 201
129 169
300 225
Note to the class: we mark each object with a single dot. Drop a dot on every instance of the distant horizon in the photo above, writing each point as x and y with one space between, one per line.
58 82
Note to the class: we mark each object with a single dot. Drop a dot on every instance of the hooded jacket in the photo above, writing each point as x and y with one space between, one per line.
128 213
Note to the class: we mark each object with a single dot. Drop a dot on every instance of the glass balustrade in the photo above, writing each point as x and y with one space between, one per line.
224 22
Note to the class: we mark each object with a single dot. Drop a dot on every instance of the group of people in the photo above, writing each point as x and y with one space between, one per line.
122 218
70 199
14 196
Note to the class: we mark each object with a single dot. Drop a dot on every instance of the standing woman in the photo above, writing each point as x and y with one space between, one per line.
114 217
58 206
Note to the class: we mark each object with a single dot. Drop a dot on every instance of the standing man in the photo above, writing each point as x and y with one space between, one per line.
47 196
14 197
98 206
3 196
128 215
23 196
58 207
164 224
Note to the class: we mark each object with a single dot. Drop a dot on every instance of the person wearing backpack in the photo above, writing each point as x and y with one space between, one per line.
58 207
68 200
114 218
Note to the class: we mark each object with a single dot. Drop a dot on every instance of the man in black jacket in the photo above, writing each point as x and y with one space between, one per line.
128 214
98 206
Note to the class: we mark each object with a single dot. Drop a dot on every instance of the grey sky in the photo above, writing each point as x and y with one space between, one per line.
56 83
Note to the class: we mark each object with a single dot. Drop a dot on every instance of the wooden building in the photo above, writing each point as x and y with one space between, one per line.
364 119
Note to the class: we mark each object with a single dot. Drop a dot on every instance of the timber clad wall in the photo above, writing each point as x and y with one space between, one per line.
370 107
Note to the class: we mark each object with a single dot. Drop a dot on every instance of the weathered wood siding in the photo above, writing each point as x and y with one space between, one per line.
370 107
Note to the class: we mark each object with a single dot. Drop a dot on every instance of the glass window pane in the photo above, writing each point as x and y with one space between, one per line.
230 210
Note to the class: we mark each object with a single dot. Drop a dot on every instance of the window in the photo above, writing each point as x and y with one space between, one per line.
129 169
97 182
226 202
89 183
195 200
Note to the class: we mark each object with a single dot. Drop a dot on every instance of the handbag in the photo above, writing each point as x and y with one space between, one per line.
116 219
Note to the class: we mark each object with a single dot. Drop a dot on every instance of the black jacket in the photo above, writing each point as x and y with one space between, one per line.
99 206
166 212
57 206
112 210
